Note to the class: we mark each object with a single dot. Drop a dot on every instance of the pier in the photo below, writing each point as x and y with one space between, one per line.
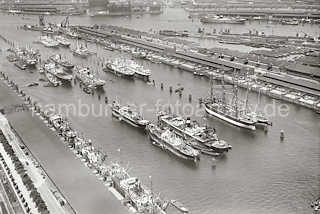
267 75
73 179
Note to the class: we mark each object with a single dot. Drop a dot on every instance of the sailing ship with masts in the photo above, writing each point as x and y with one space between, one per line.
82 51
233 113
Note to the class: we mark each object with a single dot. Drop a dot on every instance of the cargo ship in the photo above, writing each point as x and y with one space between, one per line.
119 67
139 70
167 139
205 137
137 196
128 115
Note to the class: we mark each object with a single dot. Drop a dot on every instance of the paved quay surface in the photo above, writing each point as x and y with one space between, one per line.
81 188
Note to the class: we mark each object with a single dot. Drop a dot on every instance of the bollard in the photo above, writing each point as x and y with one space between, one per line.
265 128
161 86
281 135
190 98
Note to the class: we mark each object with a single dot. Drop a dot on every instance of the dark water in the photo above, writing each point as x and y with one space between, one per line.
260 174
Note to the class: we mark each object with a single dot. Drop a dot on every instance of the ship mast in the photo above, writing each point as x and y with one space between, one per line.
211 87
235 93
152 202
223 93
247 96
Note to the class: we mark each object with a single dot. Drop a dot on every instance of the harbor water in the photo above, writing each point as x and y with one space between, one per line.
261 174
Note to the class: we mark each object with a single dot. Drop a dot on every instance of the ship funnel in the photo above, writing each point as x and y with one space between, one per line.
188 122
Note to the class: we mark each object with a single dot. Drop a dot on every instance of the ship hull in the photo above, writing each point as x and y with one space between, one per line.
80 55
116 72
142 76
156 141
131 122
65 65
202 147
217 21
230 120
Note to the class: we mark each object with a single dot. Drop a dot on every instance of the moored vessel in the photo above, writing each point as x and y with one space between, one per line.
222 20
167 139
81 51
119 67
231 113
204 138
88 78
48 42
62 41
62 62
129 115
58 72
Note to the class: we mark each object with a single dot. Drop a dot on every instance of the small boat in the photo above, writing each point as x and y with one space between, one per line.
129 115
179 206
290 22
21 65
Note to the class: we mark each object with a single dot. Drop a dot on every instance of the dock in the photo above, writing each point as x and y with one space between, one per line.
73 178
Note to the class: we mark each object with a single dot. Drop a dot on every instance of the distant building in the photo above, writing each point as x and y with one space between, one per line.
98 3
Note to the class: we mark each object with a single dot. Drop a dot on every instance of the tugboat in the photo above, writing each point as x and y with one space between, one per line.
169 140
127 114
119 67
64 63
230 113
88 78
204 138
